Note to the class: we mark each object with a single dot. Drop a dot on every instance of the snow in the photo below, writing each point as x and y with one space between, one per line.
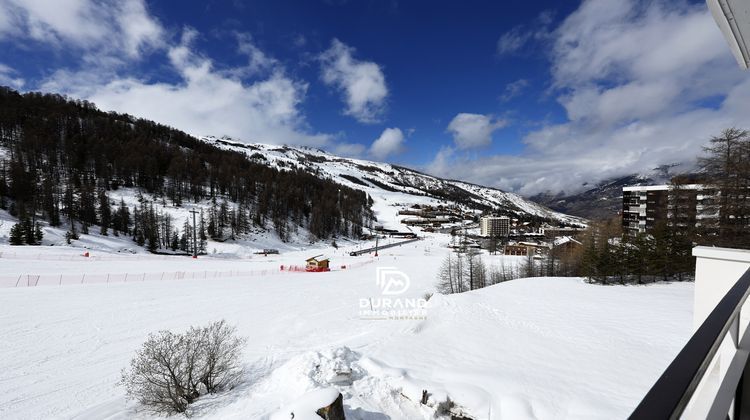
528 348
306 406
408 185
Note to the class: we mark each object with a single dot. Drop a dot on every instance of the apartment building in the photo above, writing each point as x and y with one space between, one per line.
494 226
644 207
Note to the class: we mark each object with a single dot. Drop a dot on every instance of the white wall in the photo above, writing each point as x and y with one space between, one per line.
716 271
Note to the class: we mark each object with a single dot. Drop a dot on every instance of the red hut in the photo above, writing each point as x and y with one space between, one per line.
317 263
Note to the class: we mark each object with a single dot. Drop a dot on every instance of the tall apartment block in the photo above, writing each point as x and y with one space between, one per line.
497 226
644 207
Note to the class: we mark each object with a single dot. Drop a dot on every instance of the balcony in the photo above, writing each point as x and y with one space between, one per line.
710 377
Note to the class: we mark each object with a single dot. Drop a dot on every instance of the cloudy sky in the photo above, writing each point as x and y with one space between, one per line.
524 96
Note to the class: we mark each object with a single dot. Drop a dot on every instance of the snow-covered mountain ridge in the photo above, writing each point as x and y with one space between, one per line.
376 178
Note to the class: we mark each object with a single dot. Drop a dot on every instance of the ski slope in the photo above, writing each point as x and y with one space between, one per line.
531 348
390 182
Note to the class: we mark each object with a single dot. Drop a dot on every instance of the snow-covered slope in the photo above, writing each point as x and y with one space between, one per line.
383 180
541 348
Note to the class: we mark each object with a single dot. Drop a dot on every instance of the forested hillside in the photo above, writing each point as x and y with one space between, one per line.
60 159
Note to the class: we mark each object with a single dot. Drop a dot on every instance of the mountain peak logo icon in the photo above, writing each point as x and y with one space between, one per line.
391 280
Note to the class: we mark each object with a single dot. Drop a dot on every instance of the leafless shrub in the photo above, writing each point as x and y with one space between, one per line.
220 368
170 370
156 378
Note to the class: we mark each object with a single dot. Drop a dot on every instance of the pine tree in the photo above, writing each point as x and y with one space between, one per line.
17 234
153 244
186 240
87 207
202 238
49 202
122 218
175 243
69 203
38 233
105 212
28 231
590 256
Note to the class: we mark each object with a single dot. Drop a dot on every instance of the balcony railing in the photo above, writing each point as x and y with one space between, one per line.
710 377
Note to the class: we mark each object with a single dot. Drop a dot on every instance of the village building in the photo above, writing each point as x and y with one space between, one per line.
317 263
566 242
515 250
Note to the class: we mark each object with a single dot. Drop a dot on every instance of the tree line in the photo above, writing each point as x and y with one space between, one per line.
65 158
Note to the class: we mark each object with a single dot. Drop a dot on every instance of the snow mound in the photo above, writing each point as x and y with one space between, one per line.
368 387
307 406
316 369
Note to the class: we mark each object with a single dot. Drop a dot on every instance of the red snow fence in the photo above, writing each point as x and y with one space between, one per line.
294 268
33 280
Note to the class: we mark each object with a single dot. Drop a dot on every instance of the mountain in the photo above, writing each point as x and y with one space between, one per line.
75 167
396 184
605 199
68 168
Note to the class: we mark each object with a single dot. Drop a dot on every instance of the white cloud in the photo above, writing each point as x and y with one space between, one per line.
205 101
514 89
258 61
519 36
9 77
362 83
442 162
254 102
349 149
642 84
391 141
118 27
512 41
473 130
140 29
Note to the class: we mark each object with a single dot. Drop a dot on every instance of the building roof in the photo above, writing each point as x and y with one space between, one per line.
562 240
317 258
646 188
663 187
534 244
732 17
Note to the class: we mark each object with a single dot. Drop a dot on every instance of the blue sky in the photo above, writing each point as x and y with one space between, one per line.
525 96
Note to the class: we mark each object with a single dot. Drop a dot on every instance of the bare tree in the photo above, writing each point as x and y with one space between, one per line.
221 354
727 168
458 273
476 272
461 272
170 370
156 378
446 281
528 267
493 244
